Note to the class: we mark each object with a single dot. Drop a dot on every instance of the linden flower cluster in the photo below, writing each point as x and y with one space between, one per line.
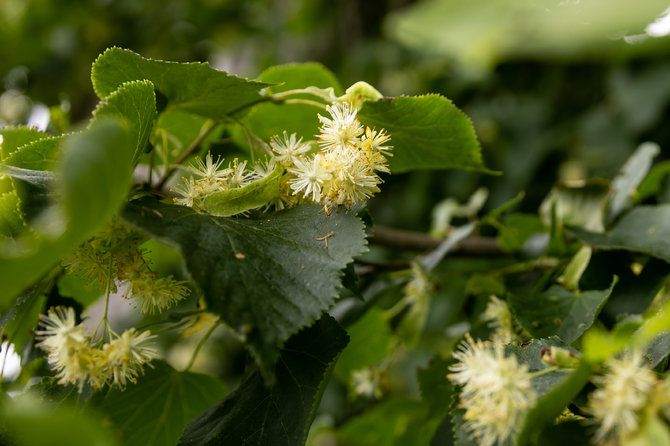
344 171
114 257
623 392
77 360
496 393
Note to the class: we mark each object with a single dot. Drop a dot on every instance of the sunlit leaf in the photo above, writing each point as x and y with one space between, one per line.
427 132
192 87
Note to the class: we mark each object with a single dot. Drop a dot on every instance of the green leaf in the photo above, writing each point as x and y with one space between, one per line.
157 409
15 137
93 176
19 330
271 119
631 175
235 201
135 103
555 389
436 389
651 185
393 422
559 312
265 277
642 229
370 342
11 222
36 155
427 132
278 415
31 422
191 87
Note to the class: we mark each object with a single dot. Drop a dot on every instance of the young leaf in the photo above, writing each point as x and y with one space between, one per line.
427 132
135 103
14 137
235 201
192 87
559 312
278 415
94 174
11 222
40 154
159 406
265 277
643 229
272 119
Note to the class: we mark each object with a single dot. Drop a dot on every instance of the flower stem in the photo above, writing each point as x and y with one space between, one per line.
200 344
306 102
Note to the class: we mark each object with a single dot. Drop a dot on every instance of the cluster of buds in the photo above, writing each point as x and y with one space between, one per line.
344 170
78 360
114 257
496 391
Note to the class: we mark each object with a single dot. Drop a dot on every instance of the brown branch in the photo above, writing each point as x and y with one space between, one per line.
419 241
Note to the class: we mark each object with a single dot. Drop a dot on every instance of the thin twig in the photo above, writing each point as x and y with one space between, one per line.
418 241
188 152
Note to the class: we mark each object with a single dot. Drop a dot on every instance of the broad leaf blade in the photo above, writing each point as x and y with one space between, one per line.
93 177
40 154
642 229
266 278
135 103
558 311
427 132
279 415
14 137
157 409
192 87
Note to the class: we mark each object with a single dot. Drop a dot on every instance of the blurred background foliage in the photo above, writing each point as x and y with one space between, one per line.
558 90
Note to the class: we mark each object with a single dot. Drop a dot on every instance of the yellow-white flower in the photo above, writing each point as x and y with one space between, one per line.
68 350
341 129
497 391
127 354
209 171
189 191
623 391
289 149
309 177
